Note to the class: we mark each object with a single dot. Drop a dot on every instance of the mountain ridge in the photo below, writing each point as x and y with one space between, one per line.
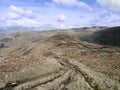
57 62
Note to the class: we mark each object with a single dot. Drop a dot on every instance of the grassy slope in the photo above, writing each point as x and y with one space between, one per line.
23 38
32 61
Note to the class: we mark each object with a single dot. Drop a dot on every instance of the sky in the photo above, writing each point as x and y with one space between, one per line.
59 13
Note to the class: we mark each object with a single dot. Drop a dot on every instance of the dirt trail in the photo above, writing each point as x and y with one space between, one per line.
75 76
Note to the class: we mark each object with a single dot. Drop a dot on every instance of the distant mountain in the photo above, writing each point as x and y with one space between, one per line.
12 29
11 36
44 27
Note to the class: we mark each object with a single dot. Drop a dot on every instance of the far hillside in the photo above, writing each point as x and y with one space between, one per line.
109 36
99 35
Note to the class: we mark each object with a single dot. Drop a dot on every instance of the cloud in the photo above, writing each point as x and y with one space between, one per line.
21 22
12 15
106 18
51 26
112 4
18 13
75 3
15 16
61 18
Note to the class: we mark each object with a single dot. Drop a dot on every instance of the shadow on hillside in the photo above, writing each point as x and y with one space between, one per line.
109 37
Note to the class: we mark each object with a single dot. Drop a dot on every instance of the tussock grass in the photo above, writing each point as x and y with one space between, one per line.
60 82
78 83
94 79
38 81
29 73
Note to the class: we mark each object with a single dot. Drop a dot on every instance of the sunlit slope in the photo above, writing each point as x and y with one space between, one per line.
23 38
60 62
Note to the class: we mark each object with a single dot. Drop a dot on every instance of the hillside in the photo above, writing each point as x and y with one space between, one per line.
23 38
58 61
110 36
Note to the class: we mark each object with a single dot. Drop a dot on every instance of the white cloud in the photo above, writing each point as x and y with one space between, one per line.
18 17
75 3
14 9
66 2
106 18
12 15
18 13
61 18
21 22
51 26
113 4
